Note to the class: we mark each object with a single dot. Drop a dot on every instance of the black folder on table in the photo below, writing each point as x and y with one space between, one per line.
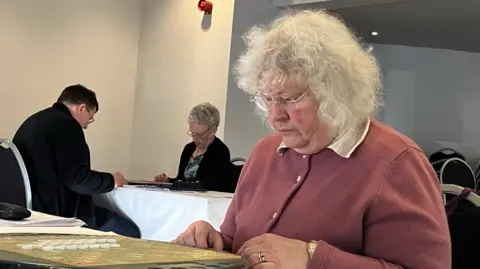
174 186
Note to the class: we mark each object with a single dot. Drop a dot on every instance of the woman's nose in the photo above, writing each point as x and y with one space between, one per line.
277 112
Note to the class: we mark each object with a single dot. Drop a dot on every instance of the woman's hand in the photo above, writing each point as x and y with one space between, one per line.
161 178
202 235
273 251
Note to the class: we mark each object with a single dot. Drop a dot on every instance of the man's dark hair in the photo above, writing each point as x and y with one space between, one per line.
79 94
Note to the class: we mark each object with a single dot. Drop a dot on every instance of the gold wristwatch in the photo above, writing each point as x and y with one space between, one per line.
311 247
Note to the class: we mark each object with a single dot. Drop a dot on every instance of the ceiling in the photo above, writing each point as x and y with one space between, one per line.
446 24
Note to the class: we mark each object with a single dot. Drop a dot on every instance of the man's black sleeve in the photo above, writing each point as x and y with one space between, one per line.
73 162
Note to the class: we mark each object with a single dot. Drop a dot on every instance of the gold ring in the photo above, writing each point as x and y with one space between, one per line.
261 257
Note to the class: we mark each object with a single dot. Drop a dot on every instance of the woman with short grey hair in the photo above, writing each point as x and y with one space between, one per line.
205 114
332 188
206 159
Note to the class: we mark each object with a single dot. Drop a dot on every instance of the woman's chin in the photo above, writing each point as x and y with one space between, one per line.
200 145
293 141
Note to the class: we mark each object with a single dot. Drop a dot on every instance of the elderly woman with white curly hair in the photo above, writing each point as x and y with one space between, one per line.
206 159
333 188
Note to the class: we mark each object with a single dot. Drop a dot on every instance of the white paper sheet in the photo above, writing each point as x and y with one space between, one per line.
52 230
38 219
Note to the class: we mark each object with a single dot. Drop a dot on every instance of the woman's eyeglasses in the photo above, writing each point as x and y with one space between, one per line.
265 102
199 135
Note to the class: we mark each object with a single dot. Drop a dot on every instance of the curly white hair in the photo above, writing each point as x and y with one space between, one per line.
318 52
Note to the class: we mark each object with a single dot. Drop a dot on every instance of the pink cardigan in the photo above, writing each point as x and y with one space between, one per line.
379 209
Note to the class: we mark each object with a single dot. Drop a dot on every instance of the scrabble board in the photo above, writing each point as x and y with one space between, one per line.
83 251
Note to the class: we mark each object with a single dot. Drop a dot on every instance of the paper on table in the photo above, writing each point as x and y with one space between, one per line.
38 219
52 230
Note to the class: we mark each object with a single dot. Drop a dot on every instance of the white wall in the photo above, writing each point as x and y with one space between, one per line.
242 127
433 95
162 49
179 65
49 44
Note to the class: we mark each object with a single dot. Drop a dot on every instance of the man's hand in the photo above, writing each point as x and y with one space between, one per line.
119 179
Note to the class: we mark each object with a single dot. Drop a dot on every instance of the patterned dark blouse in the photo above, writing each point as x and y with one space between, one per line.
192 167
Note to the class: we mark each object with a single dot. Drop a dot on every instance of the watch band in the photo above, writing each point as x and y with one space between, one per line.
311 247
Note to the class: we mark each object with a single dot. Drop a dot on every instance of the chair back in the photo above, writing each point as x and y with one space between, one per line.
438 158
456 171
236 166
14 182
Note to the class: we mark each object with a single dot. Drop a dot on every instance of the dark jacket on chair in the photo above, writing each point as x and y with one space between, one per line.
53 146
214 169
464 231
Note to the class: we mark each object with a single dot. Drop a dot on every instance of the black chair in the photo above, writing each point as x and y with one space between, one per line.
465 235
438 158
235 171
477 175
14 181
457 172
463 225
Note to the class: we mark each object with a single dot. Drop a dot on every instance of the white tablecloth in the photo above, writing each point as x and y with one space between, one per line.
162 215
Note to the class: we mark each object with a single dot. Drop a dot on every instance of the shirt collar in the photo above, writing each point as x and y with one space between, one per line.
345 144
60 106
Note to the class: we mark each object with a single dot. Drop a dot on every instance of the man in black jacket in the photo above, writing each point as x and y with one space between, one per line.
53 146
